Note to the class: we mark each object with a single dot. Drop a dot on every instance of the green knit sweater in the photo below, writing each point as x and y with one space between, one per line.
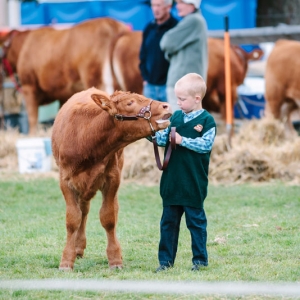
185 180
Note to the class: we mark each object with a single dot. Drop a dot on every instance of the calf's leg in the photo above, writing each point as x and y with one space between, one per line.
109 218
73 223
80 243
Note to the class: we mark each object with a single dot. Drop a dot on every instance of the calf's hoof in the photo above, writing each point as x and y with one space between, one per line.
116 267
65 267
79 252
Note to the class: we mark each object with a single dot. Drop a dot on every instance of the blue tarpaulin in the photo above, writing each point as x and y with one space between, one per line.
241 13
136 13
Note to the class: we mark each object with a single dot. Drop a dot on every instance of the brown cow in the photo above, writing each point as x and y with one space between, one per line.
89 134
125 62
282 73
55 64
214 100
12 44
126 59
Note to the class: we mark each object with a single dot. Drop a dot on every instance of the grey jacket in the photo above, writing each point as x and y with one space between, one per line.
185 46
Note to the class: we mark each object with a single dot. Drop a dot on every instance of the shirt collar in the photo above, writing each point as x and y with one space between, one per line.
193 114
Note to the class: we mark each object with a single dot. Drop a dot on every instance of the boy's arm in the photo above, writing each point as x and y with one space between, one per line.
161 137
201 144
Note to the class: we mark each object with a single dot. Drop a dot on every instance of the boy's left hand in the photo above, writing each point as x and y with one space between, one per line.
178 138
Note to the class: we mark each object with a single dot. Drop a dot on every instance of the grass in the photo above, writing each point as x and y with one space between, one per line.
253 235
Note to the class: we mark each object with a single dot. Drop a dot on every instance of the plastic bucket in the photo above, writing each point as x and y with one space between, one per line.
34 155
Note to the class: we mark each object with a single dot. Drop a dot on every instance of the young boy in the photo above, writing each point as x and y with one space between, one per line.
183 185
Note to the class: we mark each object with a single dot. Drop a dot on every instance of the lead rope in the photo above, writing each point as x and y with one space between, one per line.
172 145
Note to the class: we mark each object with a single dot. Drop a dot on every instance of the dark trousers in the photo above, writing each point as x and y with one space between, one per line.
196 222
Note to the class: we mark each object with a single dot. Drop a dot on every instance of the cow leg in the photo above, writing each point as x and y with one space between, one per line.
274 95
273 109
109 218
80 243
285 115
73 223
32 106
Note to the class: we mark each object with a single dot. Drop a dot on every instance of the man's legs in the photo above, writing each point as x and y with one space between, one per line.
155 92
161 92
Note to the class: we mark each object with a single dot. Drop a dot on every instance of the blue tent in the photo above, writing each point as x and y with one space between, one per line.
136 13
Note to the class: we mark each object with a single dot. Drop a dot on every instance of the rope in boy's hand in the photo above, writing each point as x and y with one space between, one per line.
171 146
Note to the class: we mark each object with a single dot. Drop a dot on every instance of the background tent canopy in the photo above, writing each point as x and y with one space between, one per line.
136 13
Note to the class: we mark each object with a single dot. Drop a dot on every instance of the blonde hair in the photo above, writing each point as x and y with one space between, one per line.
193 84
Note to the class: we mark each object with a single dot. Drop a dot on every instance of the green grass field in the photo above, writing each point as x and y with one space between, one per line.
253 235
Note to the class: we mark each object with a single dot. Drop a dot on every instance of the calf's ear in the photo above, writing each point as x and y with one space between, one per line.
102 101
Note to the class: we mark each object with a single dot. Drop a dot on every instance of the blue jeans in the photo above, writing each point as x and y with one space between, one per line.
155 92
196 222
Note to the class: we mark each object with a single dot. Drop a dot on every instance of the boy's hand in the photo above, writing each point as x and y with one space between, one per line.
178 138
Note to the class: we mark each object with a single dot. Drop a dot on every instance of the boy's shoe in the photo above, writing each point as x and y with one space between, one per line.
198 267
161 268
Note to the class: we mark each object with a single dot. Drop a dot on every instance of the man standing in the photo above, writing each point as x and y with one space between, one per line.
185 46
153 65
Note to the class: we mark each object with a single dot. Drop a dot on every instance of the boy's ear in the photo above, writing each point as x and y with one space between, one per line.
198 98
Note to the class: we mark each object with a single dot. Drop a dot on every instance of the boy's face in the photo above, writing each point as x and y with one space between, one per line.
186 102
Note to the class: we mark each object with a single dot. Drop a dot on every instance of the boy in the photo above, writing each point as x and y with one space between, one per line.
183 185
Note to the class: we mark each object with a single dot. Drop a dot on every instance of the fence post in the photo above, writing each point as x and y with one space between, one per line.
228 99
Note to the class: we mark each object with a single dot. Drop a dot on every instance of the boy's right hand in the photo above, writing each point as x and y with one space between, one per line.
178 138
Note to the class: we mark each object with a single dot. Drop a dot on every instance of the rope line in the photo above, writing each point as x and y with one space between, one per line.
158 287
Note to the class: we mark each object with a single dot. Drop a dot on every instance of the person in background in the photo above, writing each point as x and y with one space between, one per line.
153 65
185 46
183 184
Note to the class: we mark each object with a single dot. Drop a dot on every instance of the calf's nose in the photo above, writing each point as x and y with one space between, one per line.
167 106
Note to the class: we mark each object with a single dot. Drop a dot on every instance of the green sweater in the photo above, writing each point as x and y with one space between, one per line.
185 46
185 180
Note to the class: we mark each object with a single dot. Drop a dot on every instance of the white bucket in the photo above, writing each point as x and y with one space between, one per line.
34 155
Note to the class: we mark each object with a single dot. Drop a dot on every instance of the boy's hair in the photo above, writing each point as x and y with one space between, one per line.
193 83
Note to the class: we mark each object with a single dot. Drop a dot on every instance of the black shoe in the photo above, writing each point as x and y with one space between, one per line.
198 267
161 269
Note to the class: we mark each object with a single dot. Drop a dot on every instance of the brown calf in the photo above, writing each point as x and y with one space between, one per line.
87 141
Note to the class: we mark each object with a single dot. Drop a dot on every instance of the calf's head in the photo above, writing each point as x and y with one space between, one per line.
137 115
